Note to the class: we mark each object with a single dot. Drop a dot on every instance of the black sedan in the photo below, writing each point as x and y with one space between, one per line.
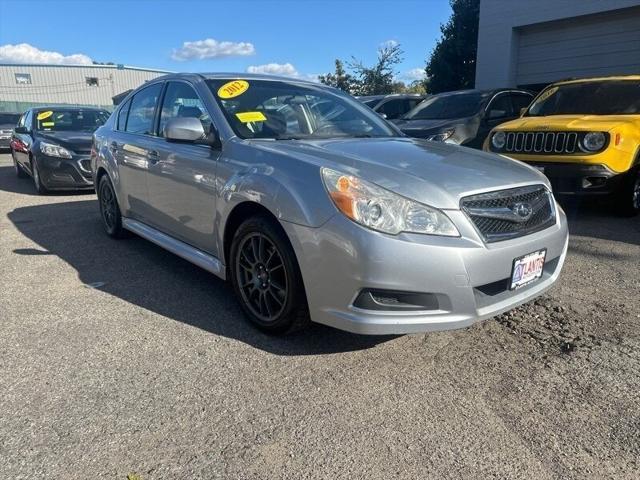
464 117
53 146
7 123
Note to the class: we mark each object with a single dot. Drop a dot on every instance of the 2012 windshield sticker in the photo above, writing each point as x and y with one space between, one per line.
246 117
43 115
233 89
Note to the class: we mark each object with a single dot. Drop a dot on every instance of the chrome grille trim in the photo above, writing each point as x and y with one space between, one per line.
500 215
541 142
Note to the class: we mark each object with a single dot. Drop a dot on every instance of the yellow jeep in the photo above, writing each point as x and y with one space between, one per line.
584 135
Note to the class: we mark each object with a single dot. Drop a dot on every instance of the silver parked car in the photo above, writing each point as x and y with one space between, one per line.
315 208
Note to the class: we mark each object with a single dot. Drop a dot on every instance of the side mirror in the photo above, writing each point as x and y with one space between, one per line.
183 129
21 130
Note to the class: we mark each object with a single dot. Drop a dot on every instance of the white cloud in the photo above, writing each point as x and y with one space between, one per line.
282 69
389 44
210 48
25 53
414 74
285 69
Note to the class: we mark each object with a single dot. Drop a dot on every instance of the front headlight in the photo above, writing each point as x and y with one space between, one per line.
594 141
442 136
498 140
53 150
379 209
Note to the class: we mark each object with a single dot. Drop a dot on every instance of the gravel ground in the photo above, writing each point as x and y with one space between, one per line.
119 359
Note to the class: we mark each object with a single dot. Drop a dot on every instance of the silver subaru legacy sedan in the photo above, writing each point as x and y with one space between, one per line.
317 209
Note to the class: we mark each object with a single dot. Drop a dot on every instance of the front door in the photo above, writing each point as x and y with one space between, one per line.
132 146
182 187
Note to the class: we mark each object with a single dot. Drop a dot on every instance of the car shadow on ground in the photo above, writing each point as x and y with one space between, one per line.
597 218
143 274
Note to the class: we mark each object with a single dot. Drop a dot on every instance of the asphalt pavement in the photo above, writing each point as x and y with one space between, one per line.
119 359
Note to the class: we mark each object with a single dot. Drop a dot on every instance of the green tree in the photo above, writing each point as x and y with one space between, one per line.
339 79
452 65
378 79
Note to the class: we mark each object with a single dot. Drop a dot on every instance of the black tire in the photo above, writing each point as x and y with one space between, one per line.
266 278
628 199
20 173
109 209
37 181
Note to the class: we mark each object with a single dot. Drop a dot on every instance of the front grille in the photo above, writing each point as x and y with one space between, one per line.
544 143
511 213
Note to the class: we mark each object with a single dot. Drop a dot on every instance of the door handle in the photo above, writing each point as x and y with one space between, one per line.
153 156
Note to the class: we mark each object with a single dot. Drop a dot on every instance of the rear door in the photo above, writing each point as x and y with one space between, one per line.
132 145
182 188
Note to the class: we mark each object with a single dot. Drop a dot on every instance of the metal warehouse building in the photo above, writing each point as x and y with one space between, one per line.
24 86
529 43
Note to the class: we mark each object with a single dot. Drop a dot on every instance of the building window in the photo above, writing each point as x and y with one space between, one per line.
91 81
23 78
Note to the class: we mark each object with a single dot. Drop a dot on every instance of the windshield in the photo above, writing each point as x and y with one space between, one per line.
442 107
9 118
290 111
70 120
613 97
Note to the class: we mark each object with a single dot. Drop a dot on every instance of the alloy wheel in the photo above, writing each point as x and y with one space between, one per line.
262 277
635 193
108 206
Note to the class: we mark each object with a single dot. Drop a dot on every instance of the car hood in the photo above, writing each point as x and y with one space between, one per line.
436 174
74 141
570 122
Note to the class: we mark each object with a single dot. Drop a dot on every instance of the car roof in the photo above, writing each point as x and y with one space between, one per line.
485 91
237 76
67 107
597 79
391 95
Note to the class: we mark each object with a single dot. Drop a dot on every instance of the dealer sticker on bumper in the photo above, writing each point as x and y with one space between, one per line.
527 269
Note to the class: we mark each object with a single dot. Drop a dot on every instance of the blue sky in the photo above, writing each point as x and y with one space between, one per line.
295 37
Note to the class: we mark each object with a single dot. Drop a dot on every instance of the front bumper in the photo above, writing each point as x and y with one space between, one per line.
466 277
580 179
65 173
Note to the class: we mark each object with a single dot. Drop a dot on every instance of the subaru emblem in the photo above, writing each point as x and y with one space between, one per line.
523 210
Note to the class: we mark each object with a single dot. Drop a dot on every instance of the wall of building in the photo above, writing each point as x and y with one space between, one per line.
23 86
501 22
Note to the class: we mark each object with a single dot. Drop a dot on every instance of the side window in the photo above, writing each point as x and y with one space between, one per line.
520 101
392 109
500 107
142 110
122 115
181 100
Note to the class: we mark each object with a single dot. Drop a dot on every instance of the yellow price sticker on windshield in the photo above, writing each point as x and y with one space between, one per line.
246 117
233 89
546 94
48 124
43 115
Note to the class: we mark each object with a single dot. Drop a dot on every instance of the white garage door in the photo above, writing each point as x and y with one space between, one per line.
601 44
